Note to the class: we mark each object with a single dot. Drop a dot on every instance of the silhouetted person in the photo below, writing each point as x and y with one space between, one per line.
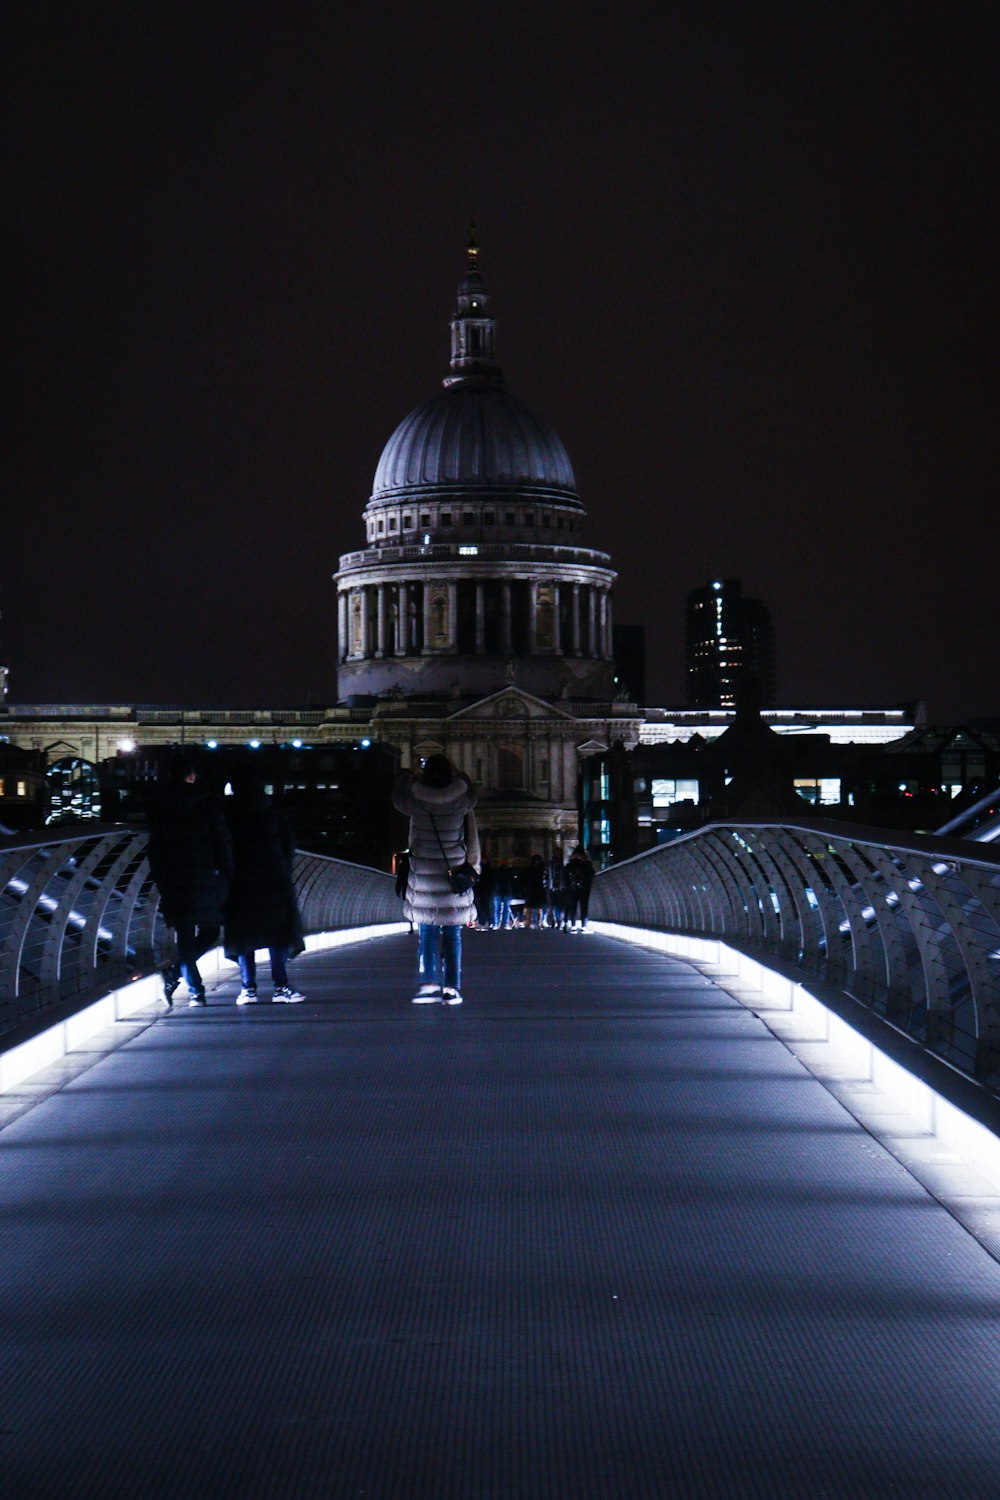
262 911
579 879
554 878
534 891
190 859
503 890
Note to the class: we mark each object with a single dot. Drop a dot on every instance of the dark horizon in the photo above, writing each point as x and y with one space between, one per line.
743 263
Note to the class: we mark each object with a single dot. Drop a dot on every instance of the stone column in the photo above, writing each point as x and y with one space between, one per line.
603 602
609 641
480 619
403 620
532 617
364 622
556 621
343 640
427 619
452 615
591 622
506 637
576 619
383 616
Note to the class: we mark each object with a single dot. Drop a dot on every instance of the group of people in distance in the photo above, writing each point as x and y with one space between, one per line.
224 864
550 893
439 802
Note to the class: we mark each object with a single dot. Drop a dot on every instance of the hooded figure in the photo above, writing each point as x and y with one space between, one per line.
437 802
190 860
262 911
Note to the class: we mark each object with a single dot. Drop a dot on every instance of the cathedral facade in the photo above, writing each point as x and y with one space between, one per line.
476 621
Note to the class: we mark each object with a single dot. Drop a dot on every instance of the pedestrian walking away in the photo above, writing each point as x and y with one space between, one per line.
534 892
554 879
190 860
262 910
503 890
579 879
438 801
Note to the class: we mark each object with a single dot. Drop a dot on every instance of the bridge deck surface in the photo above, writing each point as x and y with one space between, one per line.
594 1234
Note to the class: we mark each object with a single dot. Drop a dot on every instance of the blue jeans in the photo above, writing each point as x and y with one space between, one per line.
501 911
431 937
194 939
248 968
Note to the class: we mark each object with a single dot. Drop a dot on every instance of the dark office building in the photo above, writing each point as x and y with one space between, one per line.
730 640
629 646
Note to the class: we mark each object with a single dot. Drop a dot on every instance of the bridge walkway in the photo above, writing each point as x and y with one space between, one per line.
595 1234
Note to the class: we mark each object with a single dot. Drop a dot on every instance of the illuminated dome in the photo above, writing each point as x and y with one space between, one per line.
474 436
475 574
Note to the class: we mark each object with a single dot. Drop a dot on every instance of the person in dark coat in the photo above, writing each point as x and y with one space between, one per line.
483 893
190 859
401 865
262 911
579 879
534 892
503 891
554 878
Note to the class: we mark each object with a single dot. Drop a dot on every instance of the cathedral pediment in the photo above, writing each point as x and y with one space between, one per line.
512 703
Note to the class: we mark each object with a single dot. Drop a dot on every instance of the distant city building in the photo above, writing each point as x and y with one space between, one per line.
730 640
883 768
630 661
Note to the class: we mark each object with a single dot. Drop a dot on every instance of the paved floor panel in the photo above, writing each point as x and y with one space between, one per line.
596 1233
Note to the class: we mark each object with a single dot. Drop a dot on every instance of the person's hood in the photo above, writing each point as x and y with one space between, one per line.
441 798
182 797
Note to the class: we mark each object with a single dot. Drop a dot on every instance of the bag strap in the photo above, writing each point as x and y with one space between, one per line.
438 837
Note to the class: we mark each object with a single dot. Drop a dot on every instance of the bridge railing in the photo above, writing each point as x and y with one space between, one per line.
80 915
910 927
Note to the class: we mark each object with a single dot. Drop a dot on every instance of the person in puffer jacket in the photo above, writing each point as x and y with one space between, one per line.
436 801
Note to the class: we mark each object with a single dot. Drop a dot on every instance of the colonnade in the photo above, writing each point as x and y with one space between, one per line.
421 618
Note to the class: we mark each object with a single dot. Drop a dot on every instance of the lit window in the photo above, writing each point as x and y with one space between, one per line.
22 788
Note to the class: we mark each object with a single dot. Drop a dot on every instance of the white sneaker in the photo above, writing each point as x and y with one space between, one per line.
428 994
450 995
247 996
285 995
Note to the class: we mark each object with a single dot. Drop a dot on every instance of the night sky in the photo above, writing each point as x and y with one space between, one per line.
742 258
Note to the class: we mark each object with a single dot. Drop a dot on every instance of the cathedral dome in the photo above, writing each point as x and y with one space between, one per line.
474 436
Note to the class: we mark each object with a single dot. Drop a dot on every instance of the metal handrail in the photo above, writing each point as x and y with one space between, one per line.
908 926
80 915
